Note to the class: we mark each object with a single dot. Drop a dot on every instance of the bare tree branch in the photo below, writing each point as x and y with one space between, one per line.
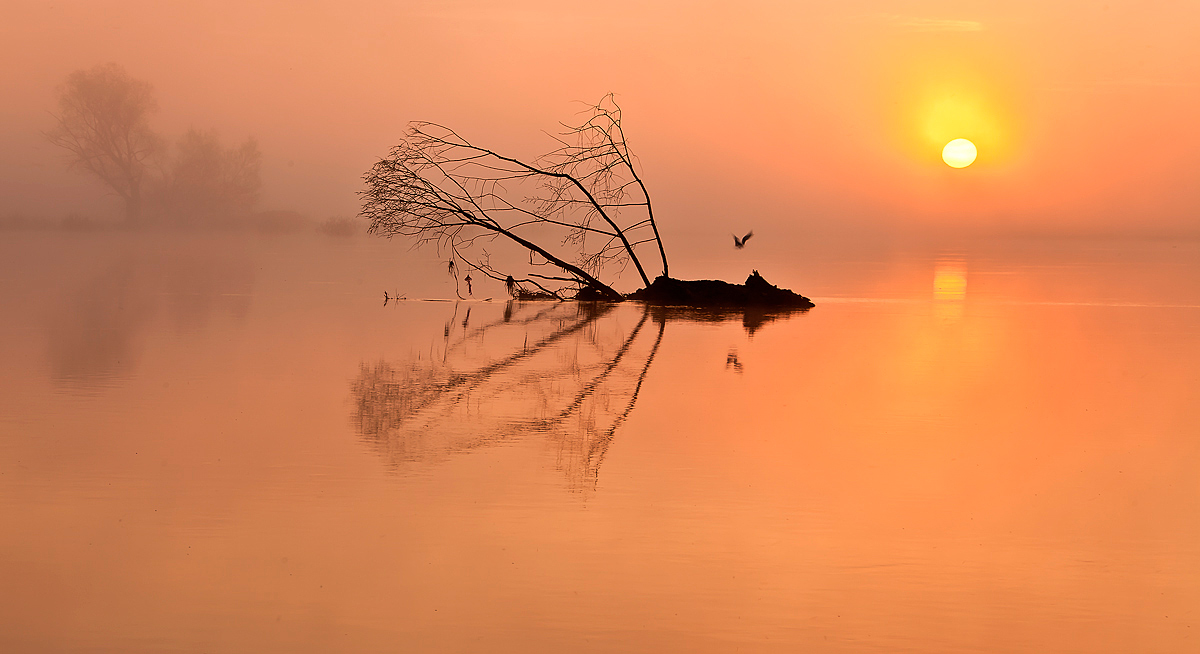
436 188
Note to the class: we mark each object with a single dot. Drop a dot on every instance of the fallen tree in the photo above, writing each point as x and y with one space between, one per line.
579 215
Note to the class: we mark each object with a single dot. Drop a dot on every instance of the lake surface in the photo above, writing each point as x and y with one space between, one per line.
228 443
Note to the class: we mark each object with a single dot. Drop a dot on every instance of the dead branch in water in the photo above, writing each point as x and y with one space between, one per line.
581 209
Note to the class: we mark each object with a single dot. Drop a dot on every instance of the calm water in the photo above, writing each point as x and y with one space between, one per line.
229 444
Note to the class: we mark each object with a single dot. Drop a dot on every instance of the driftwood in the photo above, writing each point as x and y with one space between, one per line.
560 226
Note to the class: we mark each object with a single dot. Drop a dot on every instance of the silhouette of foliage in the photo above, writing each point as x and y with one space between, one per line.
103 121
205 180
582 208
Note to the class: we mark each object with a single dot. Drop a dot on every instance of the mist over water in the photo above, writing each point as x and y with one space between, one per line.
229 441
773 116
231 421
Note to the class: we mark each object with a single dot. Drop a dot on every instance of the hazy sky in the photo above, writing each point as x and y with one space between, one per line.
754 113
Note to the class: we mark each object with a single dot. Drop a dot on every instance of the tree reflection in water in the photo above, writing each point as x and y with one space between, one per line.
567 372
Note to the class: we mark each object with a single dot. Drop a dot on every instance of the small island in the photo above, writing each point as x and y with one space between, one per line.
709 293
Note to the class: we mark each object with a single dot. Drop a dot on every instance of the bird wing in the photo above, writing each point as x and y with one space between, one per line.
736 241
747 237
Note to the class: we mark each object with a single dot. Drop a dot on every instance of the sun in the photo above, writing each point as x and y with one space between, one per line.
959 153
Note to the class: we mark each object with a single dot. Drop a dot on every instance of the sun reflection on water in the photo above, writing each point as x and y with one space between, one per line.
950 280
949 287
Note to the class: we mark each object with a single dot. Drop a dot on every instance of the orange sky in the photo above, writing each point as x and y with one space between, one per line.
771 114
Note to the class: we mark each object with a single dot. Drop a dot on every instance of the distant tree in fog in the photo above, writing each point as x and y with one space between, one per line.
103 121
205 180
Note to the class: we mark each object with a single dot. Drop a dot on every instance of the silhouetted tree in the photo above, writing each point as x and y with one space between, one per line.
103 121
581 208
205 179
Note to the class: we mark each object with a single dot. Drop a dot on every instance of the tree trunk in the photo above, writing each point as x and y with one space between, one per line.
133 207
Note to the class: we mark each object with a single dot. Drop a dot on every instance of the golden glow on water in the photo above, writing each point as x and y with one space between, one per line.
950 280
949 288
187 474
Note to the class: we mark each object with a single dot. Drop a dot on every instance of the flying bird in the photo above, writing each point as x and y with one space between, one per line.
740 243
